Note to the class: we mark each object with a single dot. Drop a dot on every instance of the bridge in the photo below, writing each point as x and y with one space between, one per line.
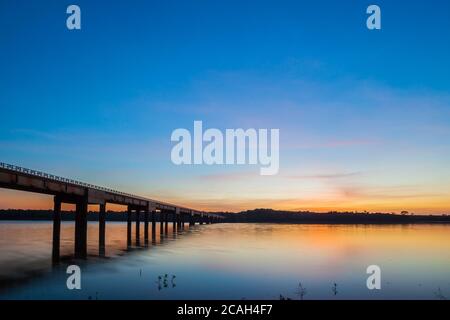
83 194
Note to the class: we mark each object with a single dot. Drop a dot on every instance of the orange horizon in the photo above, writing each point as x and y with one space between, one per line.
11 199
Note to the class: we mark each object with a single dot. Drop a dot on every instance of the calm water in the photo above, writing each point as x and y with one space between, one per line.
230 261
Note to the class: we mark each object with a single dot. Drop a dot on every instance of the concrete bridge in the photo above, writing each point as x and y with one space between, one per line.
83 194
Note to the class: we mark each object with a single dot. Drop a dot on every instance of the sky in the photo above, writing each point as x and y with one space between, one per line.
364 115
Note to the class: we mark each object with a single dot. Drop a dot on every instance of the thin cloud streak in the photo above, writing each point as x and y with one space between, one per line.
327 176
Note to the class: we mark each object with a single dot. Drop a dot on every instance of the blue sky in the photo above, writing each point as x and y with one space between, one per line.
364 116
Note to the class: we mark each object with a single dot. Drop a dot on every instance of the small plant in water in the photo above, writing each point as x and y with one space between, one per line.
301 291
159 283
334 289
173 281
440 295
163 281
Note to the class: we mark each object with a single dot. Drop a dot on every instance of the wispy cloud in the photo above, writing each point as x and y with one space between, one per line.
315 143
38 134
227 176
327 175
381 193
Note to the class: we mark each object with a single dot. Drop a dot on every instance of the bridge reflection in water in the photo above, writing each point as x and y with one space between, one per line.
83 194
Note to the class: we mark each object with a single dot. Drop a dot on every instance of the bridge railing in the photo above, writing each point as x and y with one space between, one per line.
62 179
74 182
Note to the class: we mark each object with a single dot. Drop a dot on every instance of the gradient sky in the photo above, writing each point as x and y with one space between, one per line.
364 116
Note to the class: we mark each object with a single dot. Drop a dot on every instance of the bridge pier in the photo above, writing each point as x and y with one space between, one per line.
161 222
174 222
166 222
129 226
138 227
81 229
101 229
56 229
191 220
153 227
179 221
146 227
153 221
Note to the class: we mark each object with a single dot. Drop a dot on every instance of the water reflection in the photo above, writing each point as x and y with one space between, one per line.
230 261
26 247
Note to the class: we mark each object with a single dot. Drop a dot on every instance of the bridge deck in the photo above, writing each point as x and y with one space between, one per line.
18 178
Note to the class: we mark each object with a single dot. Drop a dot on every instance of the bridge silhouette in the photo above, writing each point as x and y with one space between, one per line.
82 194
